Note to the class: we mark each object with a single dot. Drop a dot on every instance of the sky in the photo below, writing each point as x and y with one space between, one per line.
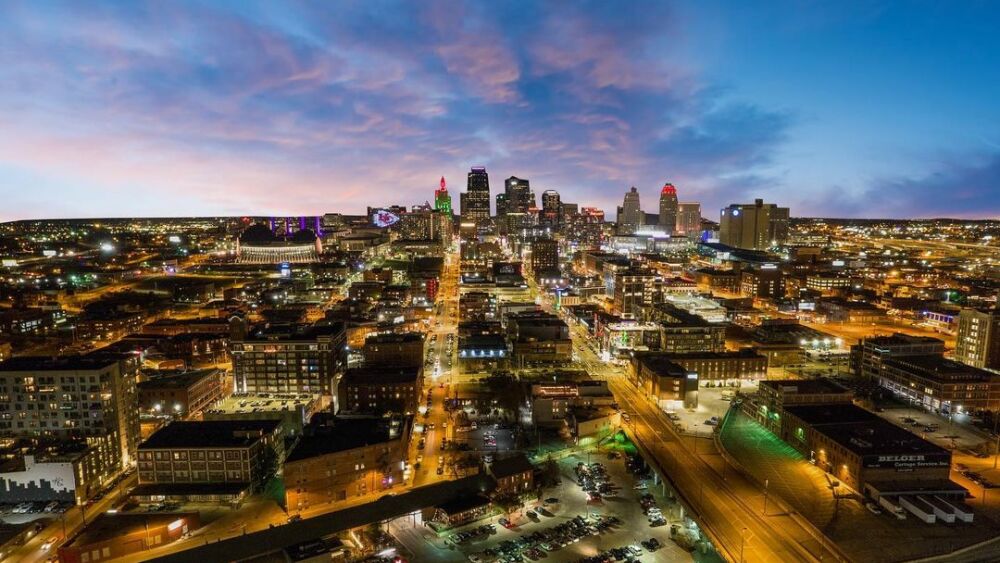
835 109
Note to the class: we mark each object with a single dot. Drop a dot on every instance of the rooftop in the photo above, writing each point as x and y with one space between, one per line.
111 526
940 369
377 375
862 432
262 402
327 435
660 363
177 379
395 337
513 465
742 353
804 386
898 338
209 434
92 361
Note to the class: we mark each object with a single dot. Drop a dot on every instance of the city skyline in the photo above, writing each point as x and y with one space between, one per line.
875 110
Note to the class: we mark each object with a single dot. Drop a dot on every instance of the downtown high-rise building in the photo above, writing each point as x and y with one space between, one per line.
688 218
630 214
475 202
520 198
442 200
753 226
978 341
668 208
551 209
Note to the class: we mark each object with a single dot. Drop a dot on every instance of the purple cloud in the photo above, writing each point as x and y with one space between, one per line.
118 109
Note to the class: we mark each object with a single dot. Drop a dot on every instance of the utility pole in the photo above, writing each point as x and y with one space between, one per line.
766 483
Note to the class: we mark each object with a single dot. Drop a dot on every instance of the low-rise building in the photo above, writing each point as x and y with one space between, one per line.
514 475
539 337
394 350
728 367
462 510
212 460
112 536
551 402
339 458
686 332
379 390
669 383
866 452
940 384
839 310
181 393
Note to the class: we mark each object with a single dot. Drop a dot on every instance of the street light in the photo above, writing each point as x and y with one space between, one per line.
743 539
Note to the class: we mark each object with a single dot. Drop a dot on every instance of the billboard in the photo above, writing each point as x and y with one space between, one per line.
384 218
44 481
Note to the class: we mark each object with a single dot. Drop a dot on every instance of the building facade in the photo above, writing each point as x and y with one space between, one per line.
755 226
978 340
305 359
89 402
668 208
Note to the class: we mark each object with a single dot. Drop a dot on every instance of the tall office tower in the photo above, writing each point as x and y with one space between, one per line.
544 257
978 341
755 226
668 208
550 209
86 404
630 214
778 230
520 198
442 201
567 210
476 200
503 206
688 218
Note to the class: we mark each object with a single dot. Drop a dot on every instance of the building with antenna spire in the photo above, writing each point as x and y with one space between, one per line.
442 200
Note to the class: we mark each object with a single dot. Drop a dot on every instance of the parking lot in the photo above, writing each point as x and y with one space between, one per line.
712 402
564 526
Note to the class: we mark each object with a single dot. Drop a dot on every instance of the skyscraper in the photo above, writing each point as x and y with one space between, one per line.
755 226
520 198
688 218
668 208
476 200
978 340
442 201
551 207
630 216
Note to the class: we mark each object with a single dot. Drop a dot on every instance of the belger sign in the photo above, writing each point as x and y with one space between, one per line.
907 462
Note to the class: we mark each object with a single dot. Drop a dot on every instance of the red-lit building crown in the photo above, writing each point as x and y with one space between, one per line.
669 188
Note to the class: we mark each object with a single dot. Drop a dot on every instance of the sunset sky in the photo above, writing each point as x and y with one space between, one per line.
859 109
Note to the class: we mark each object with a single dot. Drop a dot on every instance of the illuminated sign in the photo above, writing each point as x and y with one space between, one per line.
907 462
384 218
174 239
